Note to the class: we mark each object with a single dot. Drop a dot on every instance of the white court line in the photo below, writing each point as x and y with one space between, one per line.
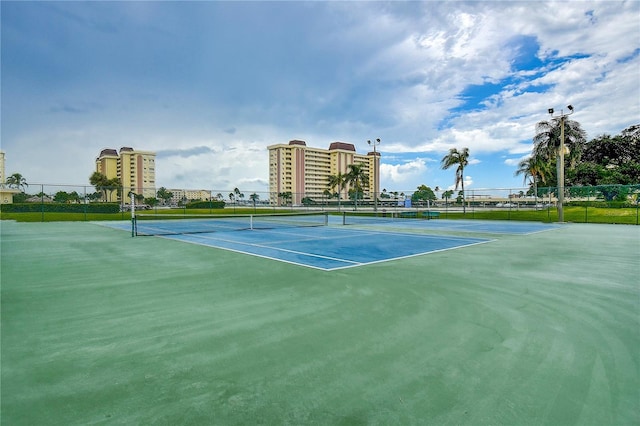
348 263
273 248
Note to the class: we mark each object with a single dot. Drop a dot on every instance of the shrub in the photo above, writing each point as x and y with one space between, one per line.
61 208
215 204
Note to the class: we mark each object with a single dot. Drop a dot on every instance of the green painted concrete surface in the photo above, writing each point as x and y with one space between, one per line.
102 328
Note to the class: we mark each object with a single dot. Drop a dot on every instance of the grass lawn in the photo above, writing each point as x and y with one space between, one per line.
629 216
571 214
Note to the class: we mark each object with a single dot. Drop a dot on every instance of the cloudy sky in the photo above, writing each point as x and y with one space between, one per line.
209 85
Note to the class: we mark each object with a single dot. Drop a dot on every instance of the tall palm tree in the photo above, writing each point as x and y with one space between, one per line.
546 142
337 181
358 179
460 159
17 181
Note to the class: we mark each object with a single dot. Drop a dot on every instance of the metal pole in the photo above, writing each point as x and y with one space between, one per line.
375 172
133 214
560 162
561 172
375 197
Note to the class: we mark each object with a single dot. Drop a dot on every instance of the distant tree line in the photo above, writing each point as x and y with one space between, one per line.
604 160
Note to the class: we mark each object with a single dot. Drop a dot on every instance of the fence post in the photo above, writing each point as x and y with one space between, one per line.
586 207
42 201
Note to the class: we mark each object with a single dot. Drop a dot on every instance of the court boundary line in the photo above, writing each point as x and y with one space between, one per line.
412 255
270 248
349 263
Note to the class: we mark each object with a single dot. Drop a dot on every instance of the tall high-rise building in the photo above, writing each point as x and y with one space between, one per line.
135 170
304 171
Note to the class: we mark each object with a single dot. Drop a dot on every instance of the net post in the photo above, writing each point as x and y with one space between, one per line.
133 215
251 222
326 219
344 218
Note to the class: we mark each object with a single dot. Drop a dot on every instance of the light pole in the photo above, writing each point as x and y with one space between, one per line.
560 161
375 172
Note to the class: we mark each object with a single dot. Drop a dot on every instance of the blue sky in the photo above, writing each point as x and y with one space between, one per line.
209 85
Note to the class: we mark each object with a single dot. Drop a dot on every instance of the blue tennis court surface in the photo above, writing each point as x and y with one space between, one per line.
300 241
326 248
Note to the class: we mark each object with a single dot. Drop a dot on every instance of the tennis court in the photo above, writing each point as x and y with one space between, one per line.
298 239
531 328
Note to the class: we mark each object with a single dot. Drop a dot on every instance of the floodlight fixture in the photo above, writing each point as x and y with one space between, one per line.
570 108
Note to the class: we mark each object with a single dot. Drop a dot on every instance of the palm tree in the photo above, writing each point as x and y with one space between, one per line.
164 194
535 168
254 197
446 195
546 142
17 181
232 199
358 178
337 181
101 183
460 159
286 196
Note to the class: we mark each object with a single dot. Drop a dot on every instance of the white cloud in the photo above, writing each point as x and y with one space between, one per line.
400 174
468 183
394 70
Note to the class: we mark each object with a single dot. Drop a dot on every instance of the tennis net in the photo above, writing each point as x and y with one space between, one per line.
173 224
358 218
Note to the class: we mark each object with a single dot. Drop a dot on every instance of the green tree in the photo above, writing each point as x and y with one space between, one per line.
422 195
254 198
101 183
546 145
535 168
358 179
286 196
66 197
17 181
164 194
337 181
61 197
446 195
609 160
459 159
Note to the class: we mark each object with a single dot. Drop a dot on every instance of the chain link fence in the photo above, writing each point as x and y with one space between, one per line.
590 204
